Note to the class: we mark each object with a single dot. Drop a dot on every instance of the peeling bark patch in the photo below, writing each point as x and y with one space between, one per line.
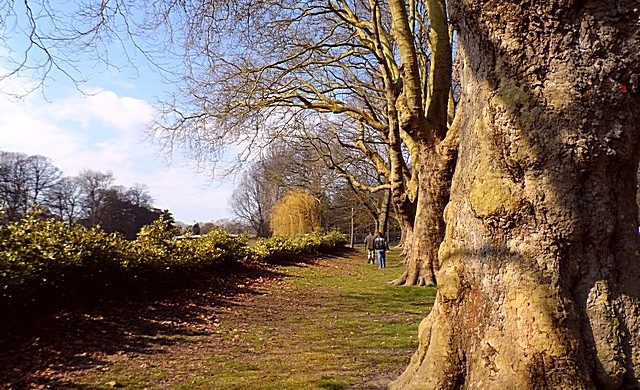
451 286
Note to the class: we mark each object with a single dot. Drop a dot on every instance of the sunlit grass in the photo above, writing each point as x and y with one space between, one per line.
345 328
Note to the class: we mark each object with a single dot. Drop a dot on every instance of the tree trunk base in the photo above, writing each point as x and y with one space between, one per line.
406 279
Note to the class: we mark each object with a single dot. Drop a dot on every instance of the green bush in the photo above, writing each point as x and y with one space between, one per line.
47 260
278 248
41 256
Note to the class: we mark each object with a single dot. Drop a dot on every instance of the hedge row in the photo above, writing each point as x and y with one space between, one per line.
44 260
279 248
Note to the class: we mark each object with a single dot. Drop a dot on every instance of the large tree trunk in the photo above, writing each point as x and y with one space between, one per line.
404 205
540 280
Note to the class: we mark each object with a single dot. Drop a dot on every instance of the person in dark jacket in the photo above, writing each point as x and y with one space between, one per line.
381 247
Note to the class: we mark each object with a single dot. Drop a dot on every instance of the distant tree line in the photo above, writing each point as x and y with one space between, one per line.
290 189
91 198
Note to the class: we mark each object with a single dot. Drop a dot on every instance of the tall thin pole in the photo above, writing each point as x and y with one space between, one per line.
353 213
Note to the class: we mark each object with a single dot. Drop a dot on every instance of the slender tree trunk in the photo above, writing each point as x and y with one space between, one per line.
382 220
406 225
402 239
539 283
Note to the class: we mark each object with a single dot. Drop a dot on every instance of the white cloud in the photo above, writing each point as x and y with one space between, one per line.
125 115
104 131
190 196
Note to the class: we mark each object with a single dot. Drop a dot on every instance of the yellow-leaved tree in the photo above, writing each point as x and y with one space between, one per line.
297 213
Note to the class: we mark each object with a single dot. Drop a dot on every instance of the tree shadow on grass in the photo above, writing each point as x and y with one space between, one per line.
301 260
39 348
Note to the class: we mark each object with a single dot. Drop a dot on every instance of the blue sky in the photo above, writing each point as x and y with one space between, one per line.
101 123
104 129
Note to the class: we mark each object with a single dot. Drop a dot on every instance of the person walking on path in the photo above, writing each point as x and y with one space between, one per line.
371 251
381 246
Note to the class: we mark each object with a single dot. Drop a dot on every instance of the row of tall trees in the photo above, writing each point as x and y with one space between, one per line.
536 260
536 256
538 277
91 198
367 84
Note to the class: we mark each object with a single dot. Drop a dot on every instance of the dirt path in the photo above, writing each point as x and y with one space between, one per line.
296 326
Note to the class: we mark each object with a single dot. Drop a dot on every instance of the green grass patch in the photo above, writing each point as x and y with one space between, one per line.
336 324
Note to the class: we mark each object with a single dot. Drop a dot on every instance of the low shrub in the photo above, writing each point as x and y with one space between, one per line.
279 248
46 262
42 256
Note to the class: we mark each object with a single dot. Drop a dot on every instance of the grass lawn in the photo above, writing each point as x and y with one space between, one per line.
330 324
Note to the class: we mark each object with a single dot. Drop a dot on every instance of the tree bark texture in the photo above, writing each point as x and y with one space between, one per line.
383 210
436 167
539 285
